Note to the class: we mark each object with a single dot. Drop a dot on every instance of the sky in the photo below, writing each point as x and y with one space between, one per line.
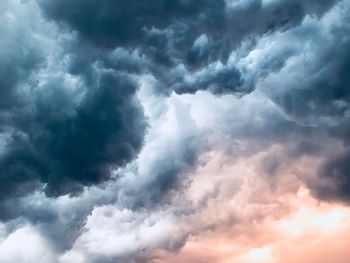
164 131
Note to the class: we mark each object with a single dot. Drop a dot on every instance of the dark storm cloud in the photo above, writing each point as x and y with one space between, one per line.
69 140
64 135
68 147
175 22
195 33
67 117
118 22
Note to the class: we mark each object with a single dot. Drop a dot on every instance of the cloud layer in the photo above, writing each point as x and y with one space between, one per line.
174 130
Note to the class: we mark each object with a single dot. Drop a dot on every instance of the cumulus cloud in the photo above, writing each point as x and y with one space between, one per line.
71 128
134 131
25 245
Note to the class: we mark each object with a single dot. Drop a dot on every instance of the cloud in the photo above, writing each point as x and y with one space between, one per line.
333 180
198 35
67 146
20 53
129 130
313 91
25 245
72 127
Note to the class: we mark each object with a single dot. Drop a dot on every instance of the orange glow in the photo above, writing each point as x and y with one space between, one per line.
313 233
283 225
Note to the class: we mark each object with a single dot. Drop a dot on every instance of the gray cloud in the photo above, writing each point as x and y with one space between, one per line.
334 181
314 92
195 33
80 132
67 149
76 120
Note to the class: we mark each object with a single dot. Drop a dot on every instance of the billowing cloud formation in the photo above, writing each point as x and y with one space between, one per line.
196 34
150 132
62 129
